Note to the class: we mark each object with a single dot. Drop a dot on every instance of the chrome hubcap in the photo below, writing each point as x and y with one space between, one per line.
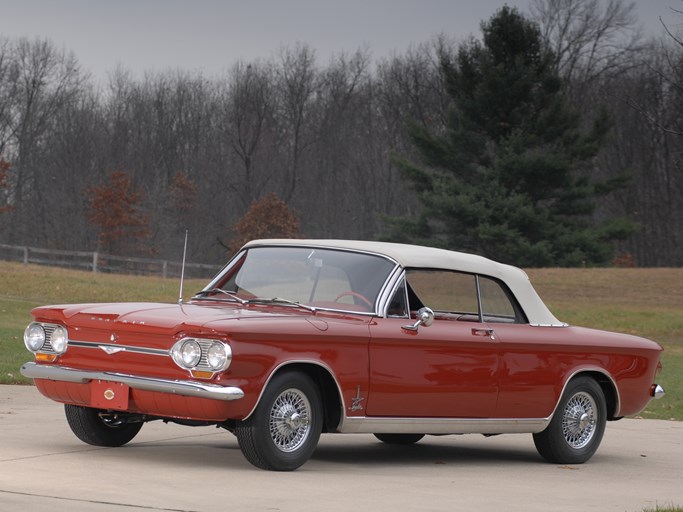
290 420
579 420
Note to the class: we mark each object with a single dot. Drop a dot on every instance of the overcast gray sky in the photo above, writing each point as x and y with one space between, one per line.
211 35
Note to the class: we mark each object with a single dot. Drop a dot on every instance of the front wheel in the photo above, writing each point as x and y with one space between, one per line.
283 431
99 430
578 424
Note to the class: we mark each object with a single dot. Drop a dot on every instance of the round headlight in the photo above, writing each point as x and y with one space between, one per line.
218 356
190 354
59 339
34 337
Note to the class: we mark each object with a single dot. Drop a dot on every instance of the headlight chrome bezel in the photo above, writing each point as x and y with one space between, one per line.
218 356
214 355
34 337
59 339
46 338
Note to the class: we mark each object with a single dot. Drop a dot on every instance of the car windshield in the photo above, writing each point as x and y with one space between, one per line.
322 278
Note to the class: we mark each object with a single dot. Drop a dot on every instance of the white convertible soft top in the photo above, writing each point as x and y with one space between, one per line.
415 256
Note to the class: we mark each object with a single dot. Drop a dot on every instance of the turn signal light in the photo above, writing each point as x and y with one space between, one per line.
201 375
48 358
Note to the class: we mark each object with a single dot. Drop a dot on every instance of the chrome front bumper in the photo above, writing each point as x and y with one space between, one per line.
175 387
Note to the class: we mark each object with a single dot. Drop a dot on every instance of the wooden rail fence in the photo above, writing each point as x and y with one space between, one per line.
101 262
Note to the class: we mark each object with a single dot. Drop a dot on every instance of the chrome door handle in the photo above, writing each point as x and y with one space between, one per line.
484 332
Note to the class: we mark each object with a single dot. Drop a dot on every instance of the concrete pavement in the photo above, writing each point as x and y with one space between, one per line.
43 467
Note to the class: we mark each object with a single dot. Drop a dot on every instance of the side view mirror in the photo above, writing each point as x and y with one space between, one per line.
425 316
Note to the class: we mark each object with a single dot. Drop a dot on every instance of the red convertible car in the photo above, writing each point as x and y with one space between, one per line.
294 338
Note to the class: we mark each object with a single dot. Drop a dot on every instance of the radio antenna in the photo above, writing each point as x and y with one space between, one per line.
182 271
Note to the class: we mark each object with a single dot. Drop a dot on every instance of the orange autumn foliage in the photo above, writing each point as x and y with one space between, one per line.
113 208
4 185
268 217
183 192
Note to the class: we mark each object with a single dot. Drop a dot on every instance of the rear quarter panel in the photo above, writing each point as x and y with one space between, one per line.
537 363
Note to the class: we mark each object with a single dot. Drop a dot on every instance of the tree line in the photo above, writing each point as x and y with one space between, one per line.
176 150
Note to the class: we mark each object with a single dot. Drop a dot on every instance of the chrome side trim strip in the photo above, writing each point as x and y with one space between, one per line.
175 387
122 348
365 425
562 324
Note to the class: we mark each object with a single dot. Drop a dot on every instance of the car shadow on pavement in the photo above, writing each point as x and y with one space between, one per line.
424 452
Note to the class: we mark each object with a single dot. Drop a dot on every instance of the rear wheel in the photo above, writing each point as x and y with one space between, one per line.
283 431
399 438
578 424
92 427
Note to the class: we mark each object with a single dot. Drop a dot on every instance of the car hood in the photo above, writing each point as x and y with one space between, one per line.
168 318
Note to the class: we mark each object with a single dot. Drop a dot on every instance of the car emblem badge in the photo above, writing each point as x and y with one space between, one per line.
112 350
113 338
109 394
356 401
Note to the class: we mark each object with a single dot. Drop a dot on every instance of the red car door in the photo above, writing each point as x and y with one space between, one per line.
448 369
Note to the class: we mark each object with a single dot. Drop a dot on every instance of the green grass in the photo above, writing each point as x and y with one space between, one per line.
645 302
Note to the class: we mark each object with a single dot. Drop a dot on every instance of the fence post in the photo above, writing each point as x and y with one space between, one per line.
94 262
164 268
25 255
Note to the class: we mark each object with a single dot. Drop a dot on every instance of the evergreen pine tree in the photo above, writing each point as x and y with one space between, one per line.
510 176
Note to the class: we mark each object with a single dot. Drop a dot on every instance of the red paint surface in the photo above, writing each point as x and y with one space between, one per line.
446 370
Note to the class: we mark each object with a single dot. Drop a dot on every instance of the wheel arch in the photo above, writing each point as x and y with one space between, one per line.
606 383
330 391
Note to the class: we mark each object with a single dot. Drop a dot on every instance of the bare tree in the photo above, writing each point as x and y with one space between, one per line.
47 80
413 85
336 153
296 86
593 40
248 117
8 91
670 30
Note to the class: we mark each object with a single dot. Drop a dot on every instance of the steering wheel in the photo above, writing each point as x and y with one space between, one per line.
357 295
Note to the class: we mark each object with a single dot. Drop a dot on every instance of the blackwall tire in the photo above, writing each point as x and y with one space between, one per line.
90 428
577 427
283 432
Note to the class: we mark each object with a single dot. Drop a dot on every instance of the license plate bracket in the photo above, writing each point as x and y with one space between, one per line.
109 395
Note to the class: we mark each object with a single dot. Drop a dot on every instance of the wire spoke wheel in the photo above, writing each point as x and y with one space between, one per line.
284 429
290 420
577 426
579 420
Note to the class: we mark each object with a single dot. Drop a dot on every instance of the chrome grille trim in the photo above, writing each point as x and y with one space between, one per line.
47 344
203 365
125 348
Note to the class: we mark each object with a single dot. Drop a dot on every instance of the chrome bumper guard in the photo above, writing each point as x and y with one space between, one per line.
657 391
175 387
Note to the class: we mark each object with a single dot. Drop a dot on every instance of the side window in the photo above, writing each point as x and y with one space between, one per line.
398 307
495 303
457 296
451 293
